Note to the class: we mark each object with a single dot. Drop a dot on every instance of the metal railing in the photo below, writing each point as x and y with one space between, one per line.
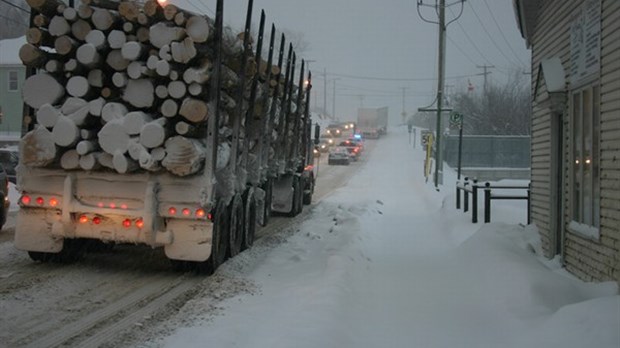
466 188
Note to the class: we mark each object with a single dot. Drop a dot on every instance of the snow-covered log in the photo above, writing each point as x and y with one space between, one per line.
113 111
139 93
47 115
90 161
41 89
135 120
70 160
65 132
184 156
124 164
37 148
161 34
154 133
113 138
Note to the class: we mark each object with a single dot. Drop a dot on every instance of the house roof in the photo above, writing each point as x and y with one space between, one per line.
9 51
526 12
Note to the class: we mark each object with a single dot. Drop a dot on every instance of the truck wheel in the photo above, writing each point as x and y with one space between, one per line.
219 243
300 194
249 221
236 226
72 250
40 256
294 207
308 196
268 193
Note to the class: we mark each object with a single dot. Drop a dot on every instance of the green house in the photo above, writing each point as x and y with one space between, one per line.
12 74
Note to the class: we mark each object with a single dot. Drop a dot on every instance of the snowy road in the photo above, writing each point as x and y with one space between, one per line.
113 297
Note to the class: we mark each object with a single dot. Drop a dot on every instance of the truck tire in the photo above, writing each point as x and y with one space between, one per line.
249 222
294 206
219 244
268 197
236 226
308 196
72 250
300 195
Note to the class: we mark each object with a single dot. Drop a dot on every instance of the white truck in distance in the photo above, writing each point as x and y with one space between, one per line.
155 125
372 123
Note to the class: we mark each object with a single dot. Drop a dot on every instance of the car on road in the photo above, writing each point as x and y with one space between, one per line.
4 196
339 155
9 157
352 148
334 130
357 140
324 145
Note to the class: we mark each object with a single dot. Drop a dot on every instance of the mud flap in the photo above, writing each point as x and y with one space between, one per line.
283 193
33 231
191 240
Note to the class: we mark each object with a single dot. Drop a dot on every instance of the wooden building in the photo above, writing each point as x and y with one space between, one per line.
575 153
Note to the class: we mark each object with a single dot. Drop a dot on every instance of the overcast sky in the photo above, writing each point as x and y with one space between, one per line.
372 49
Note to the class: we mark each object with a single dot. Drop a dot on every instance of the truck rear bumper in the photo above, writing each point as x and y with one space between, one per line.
42 230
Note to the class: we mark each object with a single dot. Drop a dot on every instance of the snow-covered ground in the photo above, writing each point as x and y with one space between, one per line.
387 261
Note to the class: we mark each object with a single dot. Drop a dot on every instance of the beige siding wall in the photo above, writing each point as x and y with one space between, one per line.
551 39
597 260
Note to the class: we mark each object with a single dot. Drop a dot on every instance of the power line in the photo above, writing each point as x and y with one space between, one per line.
502 33
398 79
461 50
16 6
489 35
470 40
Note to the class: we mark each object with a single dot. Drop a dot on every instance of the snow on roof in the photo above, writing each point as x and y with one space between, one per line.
9 50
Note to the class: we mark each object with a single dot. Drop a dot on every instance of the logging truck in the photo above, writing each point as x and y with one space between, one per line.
149 124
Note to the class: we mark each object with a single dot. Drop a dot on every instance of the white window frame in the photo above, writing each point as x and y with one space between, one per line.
13 73
585 169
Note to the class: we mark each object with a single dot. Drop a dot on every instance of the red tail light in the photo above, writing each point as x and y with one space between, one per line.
210 216
200 213
83 219
96 220
186 212
40 200
53 202
140 223
26 200
172 211
126 223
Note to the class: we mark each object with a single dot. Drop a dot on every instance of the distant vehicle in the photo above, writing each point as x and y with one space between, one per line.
4 196
9 157
352 148
339 155
324 145
334 130
372 123
357 140
328 138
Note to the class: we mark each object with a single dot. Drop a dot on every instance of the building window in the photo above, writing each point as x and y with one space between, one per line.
13 81
585 173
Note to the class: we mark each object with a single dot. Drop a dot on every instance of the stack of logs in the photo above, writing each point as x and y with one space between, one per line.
125 86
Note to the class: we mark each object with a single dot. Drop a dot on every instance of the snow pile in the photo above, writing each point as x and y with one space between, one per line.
388 262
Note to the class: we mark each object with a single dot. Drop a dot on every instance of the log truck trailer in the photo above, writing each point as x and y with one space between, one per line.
254 150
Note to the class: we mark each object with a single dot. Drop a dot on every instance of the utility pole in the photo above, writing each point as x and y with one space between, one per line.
403 114
485 73
325 92
440 83
440 10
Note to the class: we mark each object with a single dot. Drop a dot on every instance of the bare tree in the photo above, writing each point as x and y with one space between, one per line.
500 110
